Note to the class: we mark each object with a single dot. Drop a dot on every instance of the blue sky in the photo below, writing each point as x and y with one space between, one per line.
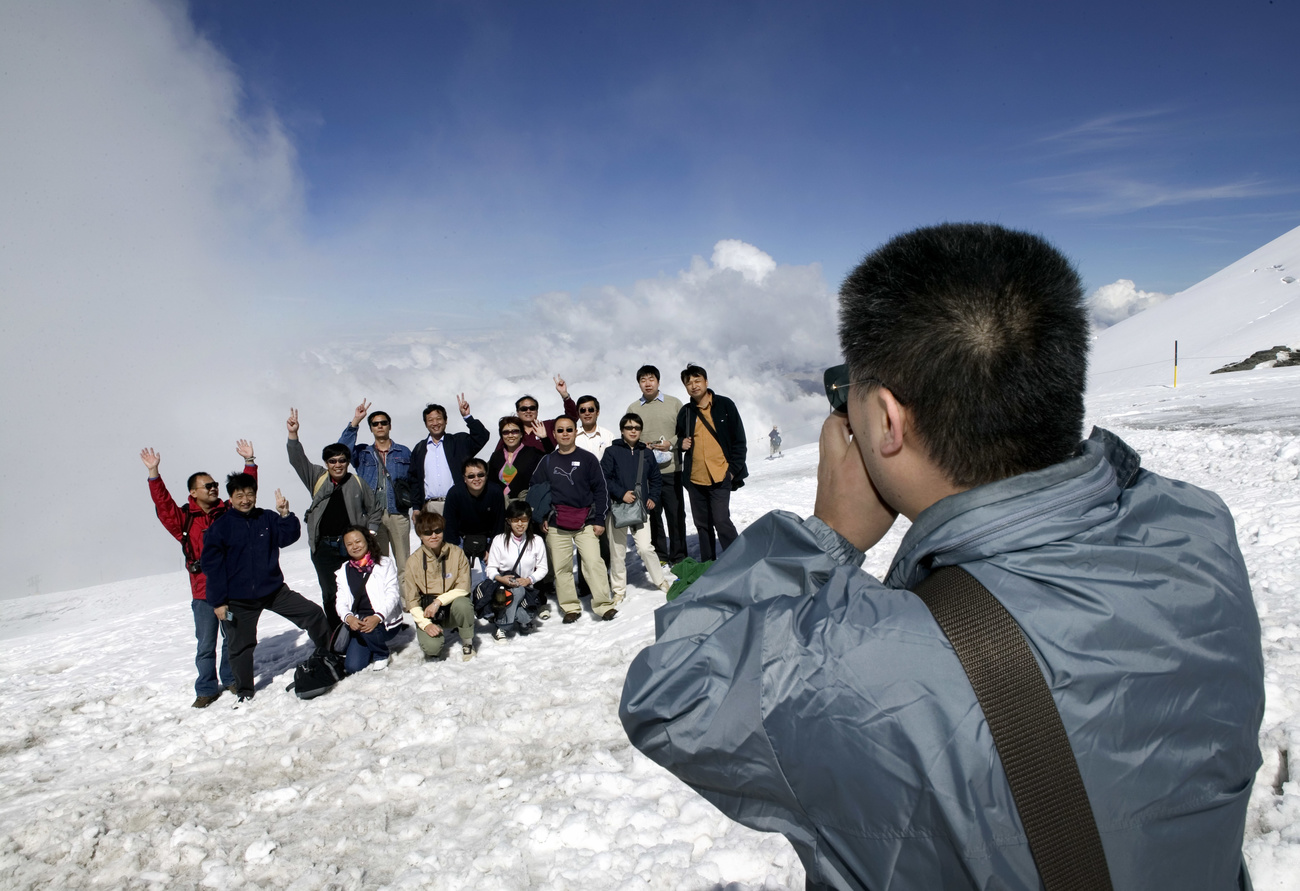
492 150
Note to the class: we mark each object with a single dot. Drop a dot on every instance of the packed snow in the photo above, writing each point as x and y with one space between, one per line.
511 770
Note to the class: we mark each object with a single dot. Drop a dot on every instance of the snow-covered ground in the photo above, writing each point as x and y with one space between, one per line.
512 771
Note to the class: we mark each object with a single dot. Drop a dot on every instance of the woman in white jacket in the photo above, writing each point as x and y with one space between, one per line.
369 601
517 560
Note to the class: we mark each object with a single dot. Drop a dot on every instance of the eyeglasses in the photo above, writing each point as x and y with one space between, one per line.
526 408
631 426
336 460
512 432
211 487
380 423
476 476
837 383
588 410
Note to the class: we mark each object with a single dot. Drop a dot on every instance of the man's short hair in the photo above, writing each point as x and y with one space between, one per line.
630 416
693 370
194 478
473 462
582 400
559 418
647 369
335 450
370 418
523 397
429 522
432 407
238 482
981 332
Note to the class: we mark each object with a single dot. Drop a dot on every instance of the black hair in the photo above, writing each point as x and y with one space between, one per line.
588 398
333 450
476 462
526 396
693 370
370 418
981 332
433 406
559 418
372 543
237 482
189 483
511 421
521 508
630 416
646 369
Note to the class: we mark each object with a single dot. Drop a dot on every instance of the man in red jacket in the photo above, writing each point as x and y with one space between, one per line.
187 525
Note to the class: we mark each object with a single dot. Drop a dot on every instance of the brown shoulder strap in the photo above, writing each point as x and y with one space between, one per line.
1026 728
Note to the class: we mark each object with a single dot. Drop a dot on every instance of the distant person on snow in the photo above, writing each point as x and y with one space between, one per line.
339 499
370 603
241 560
383 467
774 437
801 695
712 440
187 524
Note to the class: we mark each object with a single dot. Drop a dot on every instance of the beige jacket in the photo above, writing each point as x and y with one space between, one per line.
445 575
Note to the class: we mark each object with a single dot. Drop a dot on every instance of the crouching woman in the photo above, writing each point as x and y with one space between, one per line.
435 589
517 560
369 601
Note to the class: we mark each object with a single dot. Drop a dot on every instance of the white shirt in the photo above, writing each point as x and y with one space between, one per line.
437 475
595 442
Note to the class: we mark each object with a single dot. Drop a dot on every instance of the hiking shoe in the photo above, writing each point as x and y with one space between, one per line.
498 633
544 614
242 702
609 614
379 664
205 701
466 653
570 618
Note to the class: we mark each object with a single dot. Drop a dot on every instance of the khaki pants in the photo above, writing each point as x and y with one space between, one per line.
395 533
560 544
436 505
618 557
461 618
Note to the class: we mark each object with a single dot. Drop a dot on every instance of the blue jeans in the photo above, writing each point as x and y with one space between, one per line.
366 648
206 629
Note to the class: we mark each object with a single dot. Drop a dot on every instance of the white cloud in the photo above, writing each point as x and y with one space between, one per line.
1113 303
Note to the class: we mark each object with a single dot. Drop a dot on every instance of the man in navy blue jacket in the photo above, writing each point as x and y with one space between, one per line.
241 560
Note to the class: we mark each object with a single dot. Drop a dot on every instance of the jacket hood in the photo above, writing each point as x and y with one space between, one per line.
1031 509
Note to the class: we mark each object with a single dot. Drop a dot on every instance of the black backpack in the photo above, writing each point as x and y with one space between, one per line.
319 674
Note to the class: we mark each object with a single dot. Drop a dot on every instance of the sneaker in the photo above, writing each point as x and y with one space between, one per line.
379 664
466 653
204 701
570 618
544 614
498 633
242 702
609 614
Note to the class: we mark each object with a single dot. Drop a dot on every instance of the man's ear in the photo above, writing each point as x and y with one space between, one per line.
893 422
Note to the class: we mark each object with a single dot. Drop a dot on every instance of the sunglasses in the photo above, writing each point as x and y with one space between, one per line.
631 427
588 410
837 383
378 423
476 476
526 408
211 487
566 429
511 431
337 461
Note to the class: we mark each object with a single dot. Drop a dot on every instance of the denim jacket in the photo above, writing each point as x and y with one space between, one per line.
366 462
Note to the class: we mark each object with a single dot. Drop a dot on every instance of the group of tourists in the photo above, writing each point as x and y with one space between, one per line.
497 537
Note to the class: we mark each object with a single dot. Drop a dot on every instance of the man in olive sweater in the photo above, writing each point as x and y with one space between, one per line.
659 412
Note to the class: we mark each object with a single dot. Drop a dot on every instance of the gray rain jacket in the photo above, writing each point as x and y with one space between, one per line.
802 696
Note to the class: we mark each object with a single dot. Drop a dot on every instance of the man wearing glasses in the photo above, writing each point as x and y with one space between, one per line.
437 460
187 524
802 695
541 434
475 511
381 465
339 499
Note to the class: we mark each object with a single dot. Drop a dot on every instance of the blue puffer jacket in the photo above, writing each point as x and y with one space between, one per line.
367 466
241 554
802 696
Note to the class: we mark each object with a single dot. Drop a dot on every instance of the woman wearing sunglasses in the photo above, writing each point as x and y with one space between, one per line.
513 462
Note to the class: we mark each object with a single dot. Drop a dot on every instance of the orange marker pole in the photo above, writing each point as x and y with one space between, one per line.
1175 364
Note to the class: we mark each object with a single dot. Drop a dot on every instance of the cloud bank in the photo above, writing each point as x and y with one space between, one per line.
1113 303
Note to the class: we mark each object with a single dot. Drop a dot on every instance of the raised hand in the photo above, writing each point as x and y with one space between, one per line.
561 387
281 503
245 450
292 423
359 413
538 429
464 406
150 459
